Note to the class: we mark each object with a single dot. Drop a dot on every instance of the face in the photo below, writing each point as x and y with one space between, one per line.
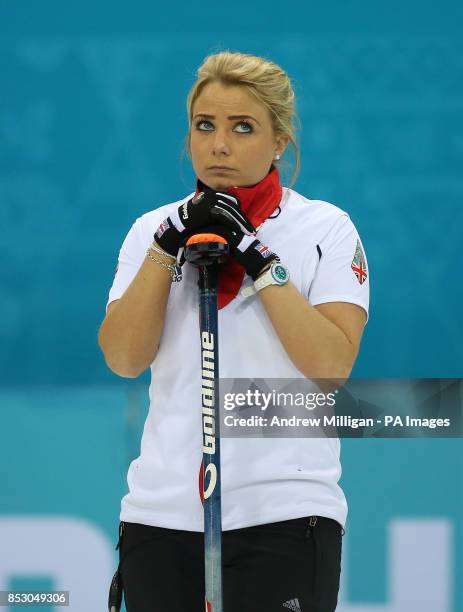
232 140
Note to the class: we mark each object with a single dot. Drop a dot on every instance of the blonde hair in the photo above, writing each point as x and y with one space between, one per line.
262 78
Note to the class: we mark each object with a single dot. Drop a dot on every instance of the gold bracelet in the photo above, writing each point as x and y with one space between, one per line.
174 269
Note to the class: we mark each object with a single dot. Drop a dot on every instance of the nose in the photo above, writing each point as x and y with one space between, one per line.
220 143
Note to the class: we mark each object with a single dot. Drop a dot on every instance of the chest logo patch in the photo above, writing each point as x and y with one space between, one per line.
359 264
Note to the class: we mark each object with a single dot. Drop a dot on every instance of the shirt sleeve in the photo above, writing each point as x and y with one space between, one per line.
131 257
342 274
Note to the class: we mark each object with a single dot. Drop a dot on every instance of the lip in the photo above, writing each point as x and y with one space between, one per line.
221 169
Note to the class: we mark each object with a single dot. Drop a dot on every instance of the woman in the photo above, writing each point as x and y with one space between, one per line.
282 508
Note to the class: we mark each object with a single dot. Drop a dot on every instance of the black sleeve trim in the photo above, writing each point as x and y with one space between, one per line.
319 252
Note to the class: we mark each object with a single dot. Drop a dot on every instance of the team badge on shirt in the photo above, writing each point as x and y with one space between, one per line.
359 265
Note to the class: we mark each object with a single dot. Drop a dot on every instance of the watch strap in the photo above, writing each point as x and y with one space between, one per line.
264 280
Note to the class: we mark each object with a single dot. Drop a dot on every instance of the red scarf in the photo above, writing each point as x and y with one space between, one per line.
258 203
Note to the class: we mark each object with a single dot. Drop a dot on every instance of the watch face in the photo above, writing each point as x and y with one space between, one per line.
280 273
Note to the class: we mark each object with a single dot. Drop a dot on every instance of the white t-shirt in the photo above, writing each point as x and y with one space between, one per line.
264 480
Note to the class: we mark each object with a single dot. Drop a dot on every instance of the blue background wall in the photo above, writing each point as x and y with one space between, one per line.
92 122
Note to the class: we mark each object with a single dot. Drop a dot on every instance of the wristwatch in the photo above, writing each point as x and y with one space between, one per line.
276 274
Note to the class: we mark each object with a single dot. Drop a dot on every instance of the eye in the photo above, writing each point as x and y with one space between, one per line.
248 125
200 122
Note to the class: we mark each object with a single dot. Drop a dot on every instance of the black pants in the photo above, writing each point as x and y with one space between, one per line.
288 565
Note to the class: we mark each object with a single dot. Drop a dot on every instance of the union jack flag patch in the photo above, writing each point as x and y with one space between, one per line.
359 265
162 228
263 250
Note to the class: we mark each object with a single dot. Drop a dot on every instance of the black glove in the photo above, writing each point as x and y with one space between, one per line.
246 250
205 208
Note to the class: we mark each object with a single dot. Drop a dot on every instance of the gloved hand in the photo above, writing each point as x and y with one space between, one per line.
246 250
204 208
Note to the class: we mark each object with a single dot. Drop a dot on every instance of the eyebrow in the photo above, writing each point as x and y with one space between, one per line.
231 117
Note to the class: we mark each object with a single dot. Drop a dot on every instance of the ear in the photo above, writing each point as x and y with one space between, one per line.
281 142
